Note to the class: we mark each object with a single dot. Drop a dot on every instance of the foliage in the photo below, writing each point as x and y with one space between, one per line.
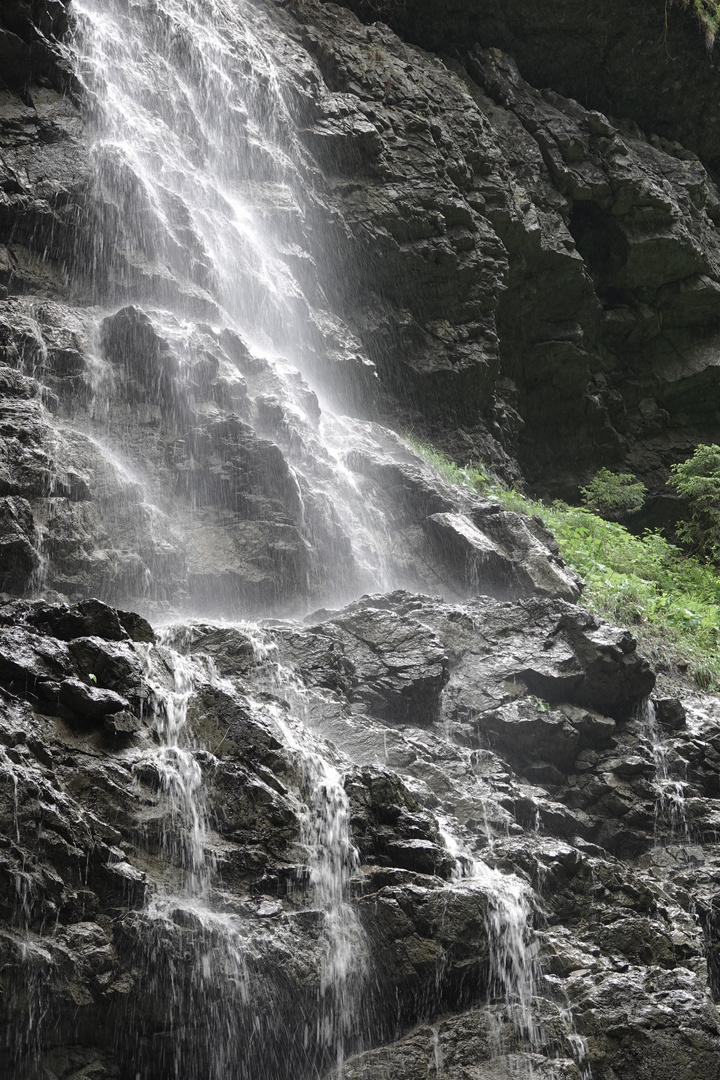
672 600
708 12
698 480
613 496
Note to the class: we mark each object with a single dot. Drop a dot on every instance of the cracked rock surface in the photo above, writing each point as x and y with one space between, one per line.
432 715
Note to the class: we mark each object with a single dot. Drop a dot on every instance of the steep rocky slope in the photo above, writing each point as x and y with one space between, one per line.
601 300
438 830
518 262
644 59
114 961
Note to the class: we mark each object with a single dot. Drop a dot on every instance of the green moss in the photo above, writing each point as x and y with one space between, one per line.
671 600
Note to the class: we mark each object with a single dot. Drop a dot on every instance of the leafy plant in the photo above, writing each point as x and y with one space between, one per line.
613 496
698 479
539 704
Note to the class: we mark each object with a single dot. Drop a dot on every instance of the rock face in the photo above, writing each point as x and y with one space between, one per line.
532 282
636 59
587 249
233 503
167 862
442 829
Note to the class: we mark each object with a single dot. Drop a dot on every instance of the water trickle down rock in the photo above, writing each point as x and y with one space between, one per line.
235 884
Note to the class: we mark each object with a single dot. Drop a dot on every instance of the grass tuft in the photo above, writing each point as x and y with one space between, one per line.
671 600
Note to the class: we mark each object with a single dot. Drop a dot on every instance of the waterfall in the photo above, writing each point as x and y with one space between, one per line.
204 194
325 830
214 986
671 824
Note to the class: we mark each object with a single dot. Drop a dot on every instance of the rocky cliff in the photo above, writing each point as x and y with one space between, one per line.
450 828
583 944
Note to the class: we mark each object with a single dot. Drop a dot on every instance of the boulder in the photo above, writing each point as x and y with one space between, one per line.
89 702
399 665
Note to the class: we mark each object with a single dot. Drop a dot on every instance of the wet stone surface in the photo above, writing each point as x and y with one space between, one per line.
519 876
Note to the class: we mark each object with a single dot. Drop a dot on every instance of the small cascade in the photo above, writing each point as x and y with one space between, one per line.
509 921
210 982
671 824
323 810
333 859
178 773
517 988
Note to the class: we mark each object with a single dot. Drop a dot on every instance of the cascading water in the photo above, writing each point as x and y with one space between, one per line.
671 825
214 984
325 830
205 188
516 996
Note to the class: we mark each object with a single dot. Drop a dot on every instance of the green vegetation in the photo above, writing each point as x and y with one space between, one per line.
698 479
708 12
614 496
672 600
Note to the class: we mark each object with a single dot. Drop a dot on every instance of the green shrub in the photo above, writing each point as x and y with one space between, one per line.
698 480
613 496
672 600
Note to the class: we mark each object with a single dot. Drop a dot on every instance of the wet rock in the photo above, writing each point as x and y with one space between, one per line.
670 712
232 729
122 723
89 702
28 659
400 667
476 559
14 56
531 730
19 557
113 664
232 650
552 650
86 619
131 342
595 730
224 463
422 856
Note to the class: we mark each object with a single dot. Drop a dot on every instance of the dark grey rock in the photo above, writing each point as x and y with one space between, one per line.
99 794
122 723
88 618
90 702
114 664
399 667
670 712
19 557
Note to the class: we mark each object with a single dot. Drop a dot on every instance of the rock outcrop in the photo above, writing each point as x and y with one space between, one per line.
573 256
445 752
645 60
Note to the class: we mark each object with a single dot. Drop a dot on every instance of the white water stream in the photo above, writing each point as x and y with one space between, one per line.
205 185
671 824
